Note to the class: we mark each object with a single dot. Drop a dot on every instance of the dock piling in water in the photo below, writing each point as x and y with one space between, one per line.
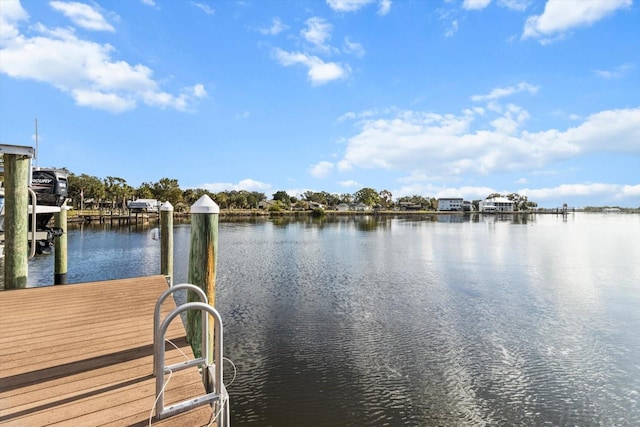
166 241
17 169
60 261
202 265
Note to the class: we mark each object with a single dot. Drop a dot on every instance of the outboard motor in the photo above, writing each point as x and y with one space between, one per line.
50 186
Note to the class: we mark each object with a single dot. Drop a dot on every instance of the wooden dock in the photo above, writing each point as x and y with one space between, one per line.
82 355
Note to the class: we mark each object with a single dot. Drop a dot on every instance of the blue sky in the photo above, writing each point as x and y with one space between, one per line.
436 98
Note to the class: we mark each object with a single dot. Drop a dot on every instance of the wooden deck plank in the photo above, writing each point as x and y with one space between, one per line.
82 355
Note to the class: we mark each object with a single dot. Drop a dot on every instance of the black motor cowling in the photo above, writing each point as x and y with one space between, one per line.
50 186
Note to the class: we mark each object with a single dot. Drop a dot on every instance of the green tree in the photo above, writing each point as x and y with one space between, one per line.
83 187
145 191
346 198
368 196
520 202
117 190
221 199
191 195
314 196
254 198
332 199
386 198
167 190
283 197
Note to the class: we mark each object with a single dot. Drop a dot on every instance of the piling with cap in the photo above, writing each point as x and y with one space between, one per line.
166 241
202 265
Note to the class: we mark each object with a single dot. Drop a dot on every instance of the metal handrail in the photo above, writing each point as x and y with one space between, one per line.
156 313
161 369
34 201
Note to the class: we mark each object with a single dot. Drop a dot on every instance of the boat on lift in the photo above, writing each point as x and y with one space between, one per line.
51 189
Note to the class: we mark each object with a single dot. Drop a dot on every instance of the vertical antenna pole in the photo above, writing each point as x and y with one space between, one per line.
36 155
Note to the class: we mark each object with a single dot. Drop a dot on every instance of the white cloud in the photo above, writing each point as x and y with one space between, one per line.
561 16
82 68
348 5
616 73
246 184
149 2
319 72
102 101
344 165
519 5
321 169
11 14
453 28
475 4
446 145
598 191
384 8
276 27
199 91
498 93
317 32
350 184
204 7
353 47
82 15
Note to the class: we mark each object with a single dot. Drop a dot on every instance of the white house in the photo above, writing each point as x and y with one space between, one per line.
496 204
450 204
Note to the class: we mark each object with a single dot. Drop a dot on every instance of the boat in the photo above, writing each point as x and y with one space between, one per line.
51 188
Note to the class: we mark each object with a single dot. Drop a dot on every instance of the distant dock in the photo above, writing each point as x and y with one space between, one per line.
82 355
113 218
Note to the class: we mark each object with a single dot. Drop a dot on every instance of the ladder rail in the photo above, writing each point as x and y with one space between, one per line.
159 368
156 314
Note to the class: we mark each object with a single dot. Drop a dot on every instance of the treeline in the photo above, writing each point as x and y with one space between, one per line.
87 191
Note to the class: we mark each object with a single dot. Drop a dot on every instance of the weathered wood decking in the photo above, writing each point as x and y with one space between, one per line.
82 355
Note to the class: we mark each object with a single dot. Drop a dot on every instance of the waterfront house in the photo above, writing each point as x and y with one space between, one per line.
450 204
353 207
266 204
410 206
496 204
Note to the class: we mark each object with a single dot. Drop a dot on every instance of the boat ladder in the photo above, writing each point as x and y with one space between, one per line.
216 395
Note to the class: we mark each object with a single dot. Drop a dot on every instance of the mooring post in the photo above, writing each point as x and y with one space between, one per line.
166 241
202 266
16 221
60 261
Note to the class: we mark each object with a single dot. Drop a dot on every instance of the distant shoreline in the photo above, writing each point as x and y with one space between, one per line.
75 216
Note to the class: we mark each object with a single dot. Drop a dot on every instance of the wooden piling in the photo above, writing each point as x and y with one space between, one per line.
202 266
166 241
16 224
60 262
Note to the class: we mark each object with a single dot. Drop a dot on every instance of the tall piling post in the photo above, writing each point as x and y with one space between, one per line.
16 224
202 266
166 241
60 261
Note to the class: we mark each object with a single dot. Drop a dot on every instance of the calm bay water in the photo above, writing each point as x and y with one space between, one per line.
431 321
